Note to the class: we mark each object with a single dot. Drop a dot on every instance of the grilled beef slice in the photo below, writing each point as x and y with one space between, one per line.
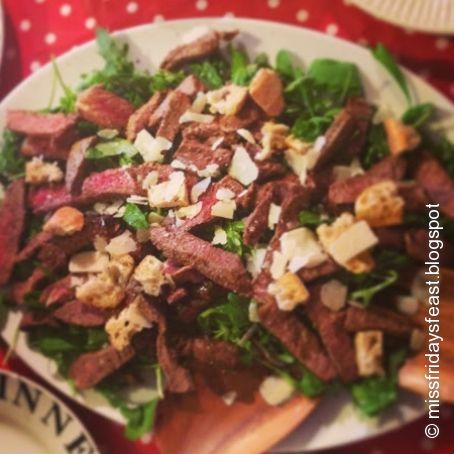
298 339
439 186
90 368
76 165
390 322
104 108
140 118
222 267
39 124
346 191
81 314
12 218
337 341
209 352
199 49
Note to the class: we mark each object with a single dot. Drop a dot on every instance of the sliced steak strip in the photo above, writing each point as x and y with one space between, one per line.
256 223
76 165
414 196
208 199
417 247
363 112
48 198
33 246
337 341
181 275
202 47
90 368
191 85
222 267
384 320
20 289
176 104
337 138
213 353
104 108
80 314
298 339
178 378
139 119
324 269
346 191
57 292
439 186
12 218
39 124
199 155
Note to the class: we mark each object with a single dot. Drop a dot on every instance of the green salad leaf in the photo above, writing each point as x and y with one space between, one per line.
67 103
416 116
117 147
377 146
12 163
284 65
382 55
337 76
365 286
164 79
310 218
208 73
234 231
310 385
135 217
443 148
226 321
241 71
374 394
118 75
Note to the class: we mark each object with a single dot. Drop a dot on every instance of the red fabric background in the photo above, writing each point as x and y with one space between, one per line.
37 29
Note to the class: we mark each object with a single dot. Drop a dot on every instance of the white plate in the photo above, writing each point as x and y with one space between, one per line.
149 44
431 16
32 420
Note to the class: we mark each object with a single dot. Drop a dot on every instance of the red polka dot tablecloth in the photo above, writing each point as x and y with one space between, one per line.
37 29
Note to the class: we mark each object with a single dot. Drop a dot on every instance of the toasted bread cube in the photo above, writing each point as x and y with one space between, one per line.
267 92
150 274
380 205
227 100
401 138
65 221
289 291
369 353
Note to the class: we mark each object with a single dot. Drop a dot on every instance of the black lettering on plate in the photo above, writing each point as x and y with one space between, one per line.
80 446
31 399
59 421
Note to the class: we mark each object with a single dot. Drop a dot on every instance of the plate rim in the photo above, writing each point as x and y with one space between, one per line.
193 22
55 398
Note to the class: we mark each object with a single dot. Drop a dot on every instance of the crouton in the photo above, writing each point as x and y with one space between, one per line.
65 222
266 91
369 353
380 205
289 291
401 138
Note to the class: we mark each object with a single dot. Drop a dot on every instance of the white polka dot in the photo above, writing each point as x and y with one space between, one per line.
273 3
34 65
332 29
363 42
159 18
90 23
40 1
25 25
442 43
132 7
50 38
65 10
302 15
201 4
